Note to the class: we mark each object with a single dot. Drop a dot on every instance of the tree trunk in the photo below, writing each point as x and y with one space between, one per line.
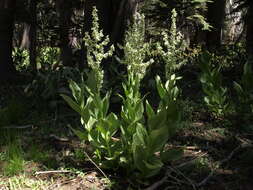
249 33
64 9
215 16
7 68
25 41
123 12
33 34
114 16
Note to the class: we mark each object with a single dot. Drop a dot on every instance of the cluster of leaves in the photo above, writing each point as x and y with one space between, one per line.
191 12
21 58
230 56
49 57
49 83
135 140
14 113
244 90
215 95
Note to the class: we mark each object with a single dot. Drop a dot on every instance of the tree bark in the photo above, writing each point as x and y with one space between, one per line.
215 16
249 33
123 13
25 41
114 16
7 8
33 35
64 9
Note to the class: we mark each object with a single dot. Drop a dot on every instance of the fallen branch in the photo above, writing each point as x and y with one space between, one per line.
17 127
190 162
229 157
205 180
52 172
95 165
157 184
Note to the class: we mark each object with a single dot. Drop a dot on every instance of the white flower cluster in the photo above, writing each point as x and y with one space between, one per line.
135 48
96 44
173 47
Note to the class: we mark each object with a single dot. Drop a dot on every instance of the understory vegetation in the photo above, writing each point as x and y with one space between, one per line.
151 113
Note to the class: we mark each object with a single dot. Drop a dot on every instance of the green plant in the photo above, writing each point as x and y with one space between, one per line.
100 125
95 44
151 135
49 57
172 52
14 159
135 141
48 83
13 113
215 95
21 58
244 90
24 182
36 154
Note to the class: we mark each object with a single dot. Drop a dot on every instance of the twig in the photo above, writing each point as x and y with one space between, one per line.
229 157
17 127
180 173
204 181
189 162
96 165
59 138
53 172
157 184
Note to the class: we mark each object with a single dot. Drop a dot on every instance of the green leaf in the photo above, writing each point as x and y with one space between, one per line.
139 154
152 167
160 87
75 89
90 124
82 135
154 164
157 120
141 135
113 123
105 104
72 103
158 138
149 110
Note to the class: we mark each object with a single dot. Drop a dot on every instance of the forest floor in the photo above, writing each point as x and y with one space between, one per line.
41 152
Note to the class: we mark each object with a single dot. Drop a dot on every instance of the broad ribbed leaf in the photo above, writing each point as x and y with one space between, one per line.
160 87
149 110
158 138
72 104
75 89
156 121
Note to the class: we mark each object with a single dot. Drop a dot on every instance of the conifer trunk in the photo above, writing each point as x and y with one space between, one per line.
7 8
249 33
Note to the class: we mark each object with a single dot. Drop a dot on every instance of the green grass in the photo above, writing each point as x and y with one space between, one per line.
14 160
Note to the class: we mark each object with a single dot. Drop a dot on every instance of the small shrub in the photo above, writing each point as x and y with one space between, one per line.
21 58
244 90
48 58
215 95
